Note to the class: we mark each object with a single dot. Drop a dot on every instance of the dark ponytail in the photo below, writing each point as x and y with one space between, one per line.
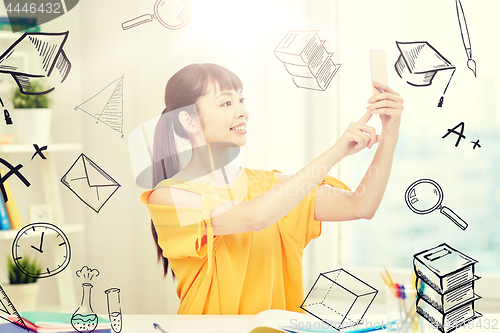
183 89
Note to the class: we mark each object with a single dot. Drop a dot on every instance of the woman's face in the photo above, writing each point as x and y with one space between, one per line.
224 116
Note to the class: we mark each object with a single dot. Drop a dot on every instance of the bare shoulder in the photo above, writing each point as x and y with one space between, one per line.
281 176
175 197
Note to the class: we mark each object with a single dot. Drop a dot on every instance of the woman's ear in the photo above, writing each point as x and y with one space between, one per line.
188 123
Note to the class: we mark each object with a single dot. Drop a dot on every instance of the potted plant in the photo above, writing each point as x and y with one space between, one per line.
23 289
32 115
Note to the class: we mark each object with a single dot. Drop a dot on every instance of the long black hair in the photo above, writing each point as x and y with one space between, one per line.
183 89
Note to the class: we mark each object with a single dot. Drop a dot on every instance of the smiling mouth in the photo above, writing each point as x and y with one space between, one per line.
239 128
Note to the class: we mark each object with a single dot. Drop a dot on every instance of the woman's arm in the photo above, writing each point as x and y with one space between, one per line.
338 205
272 205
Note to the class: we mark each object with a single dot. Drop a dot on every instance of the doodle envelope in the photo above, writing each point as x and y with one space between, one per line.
90 183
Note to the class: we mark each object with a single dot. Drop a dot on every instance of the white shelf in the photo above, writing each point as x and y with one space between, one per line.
51 183
9 35
67 229
51 147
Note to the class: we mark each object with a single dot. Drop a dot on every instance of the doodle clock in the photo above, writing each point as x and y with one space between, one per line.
44 242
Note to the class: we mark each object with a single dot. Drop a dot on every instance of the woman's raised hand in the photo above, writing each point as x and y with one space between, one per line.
357 136
389 105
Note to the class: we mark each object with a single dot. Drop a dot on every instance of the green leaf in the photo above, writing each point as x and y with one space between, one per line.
23 101
16 276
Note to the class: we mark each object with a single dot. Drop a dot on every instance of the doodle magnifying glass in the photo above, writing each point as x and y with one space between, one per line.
172 14
425 196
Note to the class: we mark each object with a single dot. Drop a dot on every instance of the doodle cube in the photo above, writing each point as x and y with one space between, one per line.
345 301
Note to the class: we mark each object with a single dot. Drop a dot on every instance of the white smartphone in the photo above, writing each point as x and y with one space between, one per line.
378 67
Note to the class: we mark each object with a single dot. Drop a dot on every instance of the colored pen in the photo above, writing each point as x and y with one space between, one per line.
391 288
389 276
158 327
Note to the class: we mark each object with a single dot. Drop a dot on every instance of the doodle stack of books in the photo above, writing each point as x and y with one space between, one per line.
307 60
448 297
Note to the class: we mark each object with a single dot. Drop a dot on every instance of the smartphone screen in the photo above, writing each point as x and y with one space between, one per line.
378 67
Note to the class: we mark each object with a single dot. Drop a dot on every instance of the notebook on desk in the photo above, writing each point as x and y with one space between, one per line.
269 321
13 328
54 322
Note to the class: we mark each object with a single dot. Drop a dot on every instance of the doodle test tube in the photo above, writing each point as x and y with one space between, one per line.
114 309
84 319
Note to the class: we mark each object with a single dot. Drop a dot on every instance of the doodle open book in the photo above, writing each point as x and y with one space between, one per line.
269 321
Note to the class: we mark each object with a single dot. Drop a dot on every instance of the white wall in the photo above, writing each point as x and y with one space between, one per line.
238 35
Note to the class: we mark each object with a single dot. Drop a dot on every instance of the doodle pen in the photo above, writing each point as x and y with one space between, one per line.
158 327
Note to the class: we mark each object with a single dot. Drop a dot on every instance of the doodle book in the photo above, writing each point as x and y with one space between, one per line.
450 320
448 297
451 299
443 268
307 60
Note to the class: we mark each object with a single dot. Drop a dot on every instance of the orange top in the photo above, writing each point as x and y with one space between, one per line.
243 273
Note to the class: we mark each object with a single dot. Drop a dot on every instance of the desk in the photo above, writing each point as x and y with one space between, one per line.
144 323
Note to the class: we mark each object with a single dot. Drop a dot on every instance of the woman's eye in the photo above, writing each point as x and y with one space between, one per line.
228 103
242 100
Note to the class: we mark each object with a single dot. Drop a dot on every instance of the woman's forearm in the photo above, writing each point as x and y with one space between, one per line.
278 201
370 191
272 205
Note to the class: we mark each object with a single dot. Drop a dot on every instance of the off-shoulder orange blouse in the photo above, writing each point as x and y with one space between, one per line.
243 273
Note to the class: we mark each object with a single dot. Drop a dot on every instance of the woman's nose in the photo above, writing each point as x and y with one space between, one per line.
241 112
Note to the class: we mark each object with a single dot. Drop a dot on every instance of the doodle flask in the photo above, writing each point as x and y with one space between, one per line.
84 319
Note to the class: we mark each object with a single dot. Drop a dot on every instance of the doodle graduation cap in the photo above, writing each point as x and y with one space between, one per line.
419 62
47 49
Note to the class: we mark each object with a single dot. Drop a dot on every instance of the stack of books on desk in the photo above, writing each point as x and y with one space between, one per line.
448 297
7 139
10 218
51 322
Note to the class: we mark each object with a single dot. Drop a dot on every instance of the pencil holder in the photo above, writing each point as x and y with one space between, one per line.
401 309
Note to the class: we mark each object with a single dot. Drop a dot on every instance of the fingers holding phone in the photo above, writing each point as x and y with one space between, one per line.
384 101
